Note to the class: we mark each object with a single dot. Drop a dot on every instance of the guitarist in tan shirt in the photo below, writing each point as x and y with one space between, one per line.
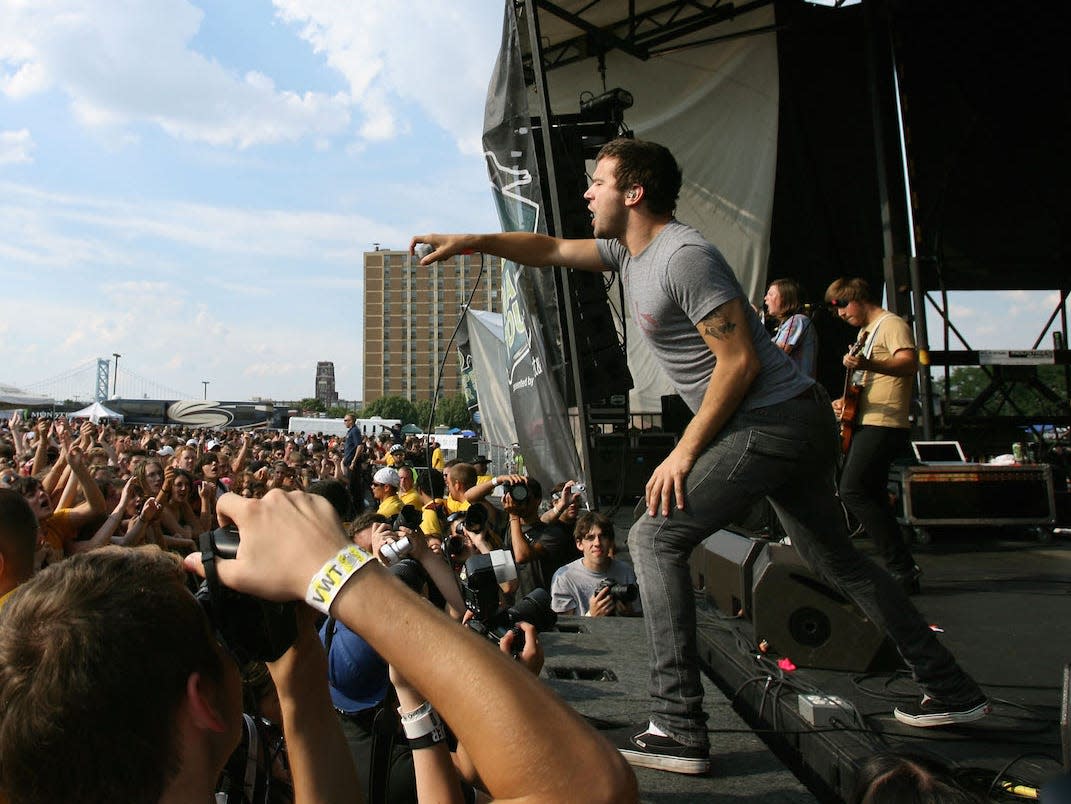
882 365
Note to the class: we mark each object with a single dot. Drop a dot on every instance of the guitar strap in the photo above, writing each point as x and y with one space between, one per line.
868 347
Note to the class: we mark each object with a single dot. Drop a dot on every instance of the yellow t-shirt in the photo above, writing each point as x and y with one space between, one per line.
483 479
4 599
390 507
437 461
886 400
411 497
430 523
453 506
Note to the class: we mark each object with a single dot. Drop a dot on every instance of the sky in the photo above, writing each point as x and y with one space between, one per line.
193 184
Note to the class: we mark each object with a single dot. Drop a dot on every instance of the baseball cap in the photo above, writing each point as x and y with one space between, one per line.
387 476
211 444
165 450
357 674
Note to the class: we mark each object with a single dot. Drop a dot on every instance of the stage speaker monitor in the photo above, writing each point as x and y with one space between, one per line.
721 566
467 449
806 620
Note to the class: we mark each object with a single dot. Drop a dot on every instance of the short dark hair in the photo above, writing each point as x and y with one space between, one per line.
336 493
647 165
431 482
102 643
594 519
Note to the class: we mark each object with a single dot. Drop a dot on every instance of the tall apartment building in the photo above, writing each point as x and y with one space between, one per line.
409 314
325 383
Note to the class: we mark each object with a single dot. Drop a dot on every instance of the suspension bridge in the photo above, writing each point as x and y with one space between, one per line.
97 380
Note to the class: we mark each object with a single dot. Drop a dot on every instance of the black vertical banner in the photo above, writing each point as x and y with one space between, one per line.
529 309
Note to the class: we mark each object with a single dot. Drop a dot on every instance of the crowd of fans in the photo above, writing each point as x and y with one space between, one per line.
77 490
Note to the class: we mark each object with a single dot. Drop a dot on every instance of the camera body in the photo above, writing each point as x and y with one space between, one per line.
479 585
475 518
408 517
252 629
620 592
454 535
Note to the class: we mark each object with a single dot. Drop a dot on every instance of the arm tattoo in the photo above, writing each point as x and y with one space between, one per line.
716 325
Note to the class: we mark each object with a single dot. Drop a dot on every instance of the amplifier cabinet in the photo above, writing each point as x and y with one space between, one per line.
976 494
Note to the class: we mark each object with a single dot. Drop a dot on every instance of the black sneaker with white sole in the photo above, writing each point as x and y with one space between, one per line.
934 712
646 750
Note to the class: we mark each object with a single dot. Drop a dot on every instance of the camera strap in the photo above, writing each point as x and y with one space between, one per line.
208 561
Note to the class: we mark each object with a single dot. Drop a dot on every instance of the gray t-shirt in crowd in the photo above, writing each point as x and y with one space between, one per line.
574 584
672 285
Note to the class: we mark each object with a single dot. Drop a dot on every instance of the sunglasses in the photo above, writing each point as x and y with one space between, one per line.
838 303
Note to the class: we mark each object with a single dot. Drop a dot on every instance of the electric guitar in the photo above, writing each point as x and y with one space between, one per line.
849 411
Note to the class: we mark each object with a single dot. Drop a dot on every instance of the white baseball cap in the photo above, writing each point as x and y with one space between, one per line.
387 476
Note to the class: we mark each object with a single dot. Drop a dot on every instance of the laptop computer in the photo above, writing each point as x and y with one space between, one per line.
937 453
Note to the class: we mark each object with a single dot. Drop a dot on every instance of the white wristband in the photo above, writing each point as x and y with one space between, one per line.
421 722
328 582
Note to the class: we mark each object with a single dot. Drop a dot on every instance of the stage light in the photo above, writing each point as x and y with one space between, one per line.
614 102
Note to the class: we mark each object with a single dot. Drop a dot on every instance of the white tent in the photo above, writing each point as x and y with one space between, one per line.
96 412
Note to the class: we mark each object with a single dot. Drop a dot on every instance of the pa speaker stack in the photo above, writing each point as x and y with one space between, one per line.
794 611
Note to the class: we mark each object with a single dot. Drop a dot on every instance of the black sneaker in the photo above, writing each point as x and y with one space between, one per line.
932 712
646 750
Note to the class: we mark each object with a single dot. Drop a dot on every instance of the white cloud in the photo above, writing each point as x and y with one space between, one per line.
16 147
129 62
35 228
435 57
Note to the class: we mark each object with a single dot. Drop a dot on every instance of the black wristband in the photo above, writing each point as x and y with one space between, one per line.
430 739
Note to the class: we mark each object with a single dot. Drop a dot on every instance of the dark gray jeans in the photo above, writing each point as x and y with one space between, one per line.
786 452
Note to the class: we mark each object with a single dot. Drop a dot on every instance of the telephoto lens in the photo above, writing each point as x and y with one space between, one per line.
518 491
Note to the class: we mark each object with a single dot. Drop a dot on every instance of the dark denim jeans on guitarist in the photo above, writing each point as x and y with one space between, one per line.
786 452
864 491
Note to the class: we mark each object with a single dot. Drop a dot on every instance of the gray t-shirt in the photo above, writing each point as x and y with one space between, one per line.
574 584
672 285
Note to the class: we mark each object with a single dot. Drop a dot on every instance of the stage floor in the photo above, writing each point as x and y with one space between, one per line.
1003 603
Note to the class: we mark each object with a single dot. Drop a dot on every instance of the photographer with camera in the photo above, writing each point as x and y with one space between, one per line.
290 542
539 548
596 584
566 498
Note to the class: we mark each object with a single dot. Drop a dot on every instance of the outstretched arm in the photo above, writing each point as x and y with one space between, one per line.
523 248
